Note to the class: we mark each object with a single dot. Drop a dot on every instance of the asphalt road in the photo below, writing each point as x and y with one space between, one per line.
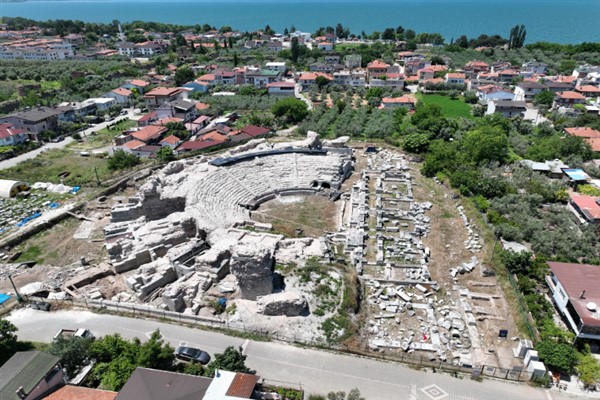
11 162
316 371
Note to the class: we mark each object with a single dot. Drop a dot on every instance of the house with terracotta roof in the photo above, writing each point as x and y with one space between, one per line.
591 136
70 392
281 88
138 84
390 80
231 386
576 294
156 97
307 79
129 146
507 75
455 78
11 136
377 67
121 95
587 208
149 134
556 86
255 131
325 46
568 99
172 141
395 102
588 90
472 68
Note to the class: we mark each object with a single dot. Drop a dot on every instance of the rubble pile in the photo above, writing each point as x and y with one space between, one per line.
17 212
473 242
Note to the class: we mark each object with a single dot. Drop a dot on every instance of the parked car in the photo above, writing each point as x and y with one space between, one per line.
123 112
58 139
192 354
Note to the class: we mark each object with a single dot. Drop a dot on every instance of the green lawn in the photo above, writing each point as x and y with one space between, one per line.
450 108
45 85
47 166
104 137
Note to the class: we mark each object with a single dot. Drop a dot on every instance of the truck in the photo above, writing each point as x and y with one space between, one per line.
68 333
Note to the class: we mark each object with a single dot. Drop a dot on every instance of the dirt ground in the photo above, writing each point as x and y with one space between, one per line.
446 242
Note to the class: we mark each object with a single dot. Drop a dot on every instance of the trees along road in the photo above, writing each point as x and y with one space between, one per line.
316 371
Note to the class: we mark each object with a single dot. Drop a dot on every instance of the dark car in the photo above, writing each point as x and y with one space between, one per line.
192 354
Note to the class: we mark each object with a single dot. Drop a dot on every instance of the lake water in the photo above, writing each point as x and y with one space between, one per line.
567 21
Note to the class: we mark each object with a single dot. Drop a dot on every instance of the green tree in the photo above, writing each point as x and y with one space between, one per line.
485 145
177 129
230 360
8 340
321 81
165 154
416 143
588 369
545 98
295 49
73 352
122 160
517 37
560 356
388 34
184 75
293 110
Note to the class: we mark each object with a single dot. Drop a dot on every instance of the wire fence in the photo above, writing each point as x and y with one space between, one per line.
413 359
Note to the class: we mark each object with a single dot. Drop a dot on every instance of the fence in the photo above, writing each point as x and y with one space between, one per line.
418 361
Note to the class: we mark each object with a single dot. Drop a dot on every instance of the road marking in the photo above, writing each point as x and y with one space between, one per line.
413 392
244 346
434 392
548 395
326 371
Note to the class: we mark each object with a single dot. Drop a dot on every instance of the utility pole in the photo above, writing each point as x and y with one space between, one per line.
97 178
19 298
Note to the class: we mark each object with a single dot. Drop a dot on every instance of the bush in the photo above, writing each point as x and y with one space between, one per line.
122 160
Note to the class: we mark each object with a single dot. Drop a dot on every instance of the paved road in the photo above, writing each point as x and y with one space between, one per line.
298 95
11 162
316 371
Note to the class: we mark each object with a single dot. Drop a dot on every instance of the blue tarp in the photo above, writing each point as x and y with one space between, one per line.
76 189
27 219
4 298
54 205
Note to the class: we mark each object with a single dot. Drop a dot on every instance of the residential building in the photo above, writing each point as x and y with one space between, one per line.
591 136
394 102
138 84
149 134
526 91
197 86
139 49
353 78
507 108
121 95
255 131
160 95
231 386
184 110
488 93
454 78
588 90
507 75
278 66
281 88
30 375
261 78
474 68
307 79
12 136
151 384
392 80
377 68
556 87
535 67
568 99
325 46
586 208
352 61
70 392
33 121
576 294
172 141
36 49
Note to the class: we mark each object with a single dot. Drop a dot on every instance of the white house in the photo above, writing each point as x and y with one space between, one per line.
493 93
276 66
455 78
508 109
121 95
525 90
12 136
281 88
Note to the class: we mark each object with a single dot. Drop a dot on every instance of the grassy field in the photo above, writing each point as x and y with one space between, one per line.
47 166
104 137
450 108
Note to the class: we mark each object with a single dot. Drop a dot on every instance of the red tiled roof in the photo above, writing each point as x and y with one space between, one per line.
201 119
139 83
7 130
196 145
172 139
254 130
311 76
594 143
213 136
242 386
69 392
570 95
398 100
148 117
167 120
575 278
202 106
206 78
149 132
453 75
281 84
583 132
588 89
508 72
163 91
122 92
134 144
377 64
588 206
